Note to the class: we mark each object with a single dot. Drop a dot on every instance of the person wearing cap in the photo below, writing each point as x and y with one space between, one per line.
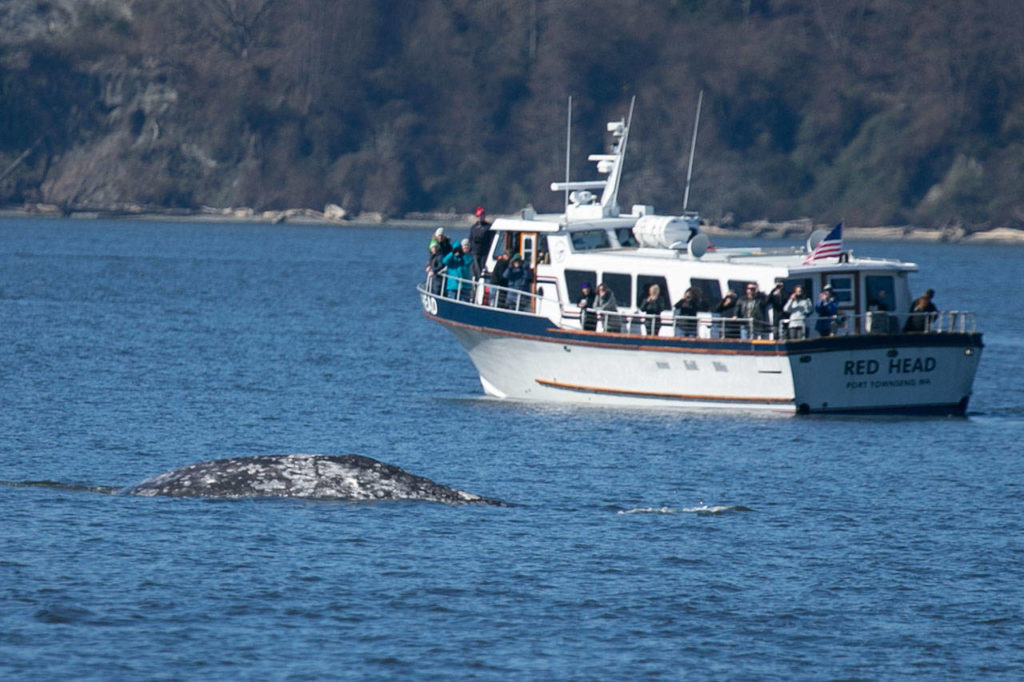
480 237
460 270
434 269
827 308
444 245
519 278
586 304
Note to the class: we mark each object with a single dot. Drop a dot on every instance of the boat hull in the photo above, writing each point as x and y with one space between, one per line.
526 357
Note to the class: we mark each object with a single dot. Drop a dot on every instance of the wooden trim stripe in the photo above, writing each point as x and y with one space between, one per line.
671 396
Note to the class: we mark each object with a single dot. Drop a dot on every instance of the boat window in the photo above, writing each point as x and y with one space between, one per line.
588 240
842 287
879 292
528 247
625 236
504 244
643 283
574 281
621 286
710 289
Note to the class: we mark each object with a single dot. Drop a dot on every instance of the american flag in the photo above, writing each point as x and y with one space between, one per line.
829 247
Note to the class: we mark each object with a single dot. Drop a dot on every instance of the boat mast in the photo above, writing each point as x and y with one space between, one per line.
610 198
568 149
693 146
579 201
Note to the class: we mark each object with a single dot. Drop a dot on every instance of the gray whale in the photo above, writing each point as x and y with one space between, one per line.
337 477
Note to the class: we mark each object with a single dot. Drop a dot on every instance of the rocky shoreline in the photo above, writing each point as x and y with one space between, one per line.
334 215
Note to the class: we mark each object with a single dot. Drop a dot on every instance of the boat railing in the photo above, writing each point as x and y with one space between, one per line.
481 293
703 325
715 326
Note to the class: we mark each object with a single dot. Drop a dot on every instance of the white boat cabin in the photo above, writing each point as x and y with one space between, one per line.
628 253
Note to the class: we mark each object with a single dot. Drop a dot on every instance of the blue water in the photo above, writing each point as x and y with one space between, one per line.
641 544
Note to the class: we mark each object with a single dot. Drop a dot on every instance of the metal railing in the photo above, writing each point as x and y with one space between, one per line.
481 293
704 325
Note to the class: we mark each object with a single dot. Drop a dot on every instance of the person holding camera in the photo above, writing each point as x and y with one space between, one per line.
827 309
798 308
460 269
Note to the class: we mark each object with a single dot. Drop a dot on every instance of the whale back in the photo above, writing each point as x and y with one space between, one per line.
342 477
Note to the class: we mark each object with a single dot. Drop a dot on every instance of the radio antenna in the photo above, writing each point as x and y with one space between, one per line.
693 146
568 149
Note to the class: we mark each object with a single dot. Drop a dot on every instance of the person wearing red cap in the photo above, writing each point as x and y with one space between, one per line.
480 237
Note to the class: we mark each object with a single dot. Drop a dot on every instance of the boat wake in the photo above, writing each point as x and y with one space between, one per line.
701 510
56 485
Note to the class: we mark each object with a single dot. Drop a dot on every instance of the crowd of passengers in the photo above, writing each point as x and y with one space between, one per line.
756 314
458 267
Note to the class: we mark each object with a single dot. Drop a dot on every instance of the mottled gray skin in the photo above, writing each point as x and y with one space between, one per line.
339 477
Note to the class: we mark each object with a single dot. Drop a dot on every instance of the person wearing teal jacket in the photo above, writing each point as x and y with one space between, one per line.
460 269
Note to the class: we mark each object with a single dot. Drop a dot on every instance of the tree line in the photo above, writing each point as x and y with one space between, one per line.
872 111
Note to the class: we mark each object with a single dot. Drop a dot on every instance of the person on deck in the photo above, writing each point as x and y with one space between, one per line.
879 307
519 278
499 295
687 308
777 305
606 307
827 308
588 319
798 308
441 240
480 237
752 307
922 313
652 307
434 269
727 309
460 267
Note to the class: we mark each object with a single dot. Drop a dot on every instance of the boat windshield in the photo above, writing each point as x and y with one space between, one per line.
589 240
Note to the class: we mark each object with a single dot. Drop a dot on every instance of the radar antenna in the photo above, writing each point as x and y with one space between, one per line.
693 146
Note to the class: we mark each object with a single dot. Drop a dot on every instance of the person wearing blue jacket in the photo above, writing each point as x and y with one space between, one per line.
827 308
460 269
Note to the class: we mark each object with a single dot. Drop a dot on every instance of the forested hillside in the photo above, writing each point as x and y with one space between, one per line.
874 111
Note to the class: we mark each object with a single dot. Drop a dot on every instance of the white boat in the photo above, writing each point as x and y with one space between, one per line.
541 350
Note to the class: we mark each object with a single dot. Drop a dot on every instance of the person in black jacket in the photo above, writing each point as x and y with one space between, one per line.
651 307
687 308
480 237
727 309
435 269
588 318
498 280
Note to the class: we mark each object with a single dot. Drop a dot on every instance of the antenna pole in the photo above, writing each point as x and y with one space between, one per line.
622 151
568 149
693 146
